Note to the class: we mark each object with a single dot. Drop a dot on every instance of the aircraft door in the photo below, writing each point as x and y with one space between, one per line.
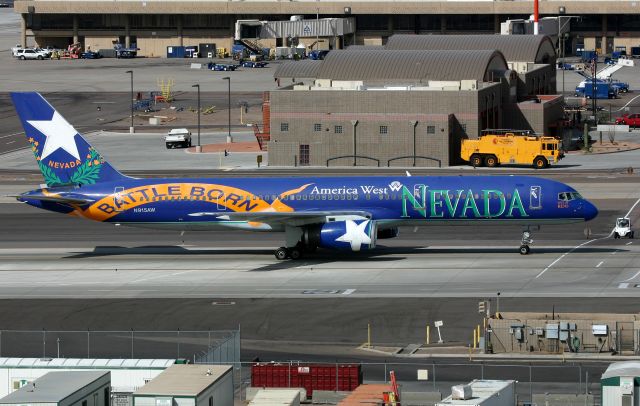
118 202
535 197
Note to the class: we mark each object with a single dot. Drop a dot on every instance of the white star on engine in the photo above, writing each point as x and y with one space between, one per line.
355 234
59 133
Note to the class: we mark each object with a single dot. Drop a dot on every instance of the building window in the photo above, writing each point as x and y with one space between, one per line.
317 127
210 400
284 127
338 129
384 130
431 129
304 155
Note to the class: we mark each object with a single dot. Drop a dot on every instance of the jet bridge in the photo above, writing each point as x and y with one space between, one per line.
296 27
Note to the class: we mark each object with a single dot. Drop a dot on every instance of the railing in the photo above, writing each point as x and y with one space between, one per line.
354 157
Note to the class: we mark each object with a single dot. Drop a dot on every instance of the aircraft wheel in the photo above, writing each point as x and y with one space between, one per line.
281 253
524 249
295 253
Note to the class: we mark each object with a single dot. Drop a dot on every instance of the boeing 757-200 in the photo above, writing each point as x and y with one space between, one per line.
348 213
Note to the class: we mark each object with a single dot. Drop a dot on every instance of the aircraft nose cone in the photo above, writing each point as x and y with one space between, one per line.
589 211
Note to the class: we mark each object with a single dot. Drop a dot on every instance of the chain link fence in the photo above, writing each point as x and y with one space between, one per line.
219 346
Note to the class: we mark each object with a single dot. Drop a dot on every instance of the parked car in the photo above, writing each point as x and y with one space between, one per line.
632 120
90 55
30 53
178 137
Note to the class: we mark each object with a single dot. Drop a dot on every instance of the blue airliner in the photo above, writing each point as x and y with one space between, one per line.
347 213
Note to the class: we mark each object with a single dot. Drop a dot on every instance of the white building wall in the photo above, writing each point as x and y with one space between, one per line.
221 392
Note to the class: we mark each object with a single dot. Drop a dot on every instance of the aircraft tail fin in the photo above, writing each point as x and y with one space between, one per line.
63 155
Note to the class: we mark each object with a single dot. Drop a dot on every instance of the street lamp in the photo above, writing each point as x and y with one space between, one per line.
131 129
198 147
228 79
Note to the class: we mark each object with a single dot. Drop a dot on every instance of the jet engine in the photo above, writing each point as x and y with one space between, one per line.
388 233
350 235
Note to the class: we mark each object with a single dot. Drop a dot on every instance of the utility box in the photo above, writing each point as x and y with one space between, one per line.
620 384
484 393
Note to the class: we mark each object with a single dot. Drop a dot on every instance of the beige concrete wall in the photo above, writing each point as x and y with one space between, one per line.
504 340
589 43
301 110
96 43
326 7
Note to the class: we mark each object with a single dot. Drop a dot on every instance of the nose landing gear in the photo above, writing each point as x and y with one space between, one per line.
524 243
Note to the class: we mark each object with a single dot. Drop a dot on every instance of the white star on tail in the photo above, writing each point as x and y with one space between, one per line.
355 234
59 133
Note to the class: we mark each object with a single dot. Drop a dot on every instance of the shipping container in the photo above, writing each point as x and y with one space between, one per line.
312 377
191 51
207 50
175 52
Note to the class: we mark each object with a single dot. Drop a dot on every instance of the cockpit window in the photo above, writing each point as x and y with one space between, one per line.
568 196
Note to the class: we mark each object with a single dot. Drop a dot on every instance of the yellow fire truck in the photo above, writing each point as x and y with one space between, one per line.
495 147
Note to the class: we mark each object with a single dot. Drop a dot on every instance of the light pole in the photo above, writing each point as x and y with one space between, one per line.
198 147
131 129
228 79
413 126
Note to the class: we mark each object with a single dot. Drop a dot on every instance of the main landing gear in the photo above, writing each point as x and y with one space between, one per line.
524 243
283 253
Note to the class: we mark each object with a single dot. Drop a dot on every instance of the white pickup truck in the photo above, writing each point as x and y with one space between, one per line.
178 137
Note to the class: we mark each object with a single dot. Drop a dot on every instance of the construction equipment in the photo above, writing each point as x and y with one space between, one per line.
166 87
497 147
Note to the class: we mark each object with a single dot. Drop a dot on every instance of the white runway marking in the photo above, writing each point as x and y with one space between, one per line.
564 255
348 291
585 243
632 278
623 285
10 135
10 142
629 243
600 264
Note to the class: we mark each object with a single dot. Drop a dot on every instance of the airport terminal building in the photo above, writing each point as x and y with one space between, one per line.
154 24
413 102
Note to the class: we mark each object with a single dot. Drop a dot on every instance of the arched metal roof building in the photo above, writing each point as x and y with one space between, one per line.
515 48
390 66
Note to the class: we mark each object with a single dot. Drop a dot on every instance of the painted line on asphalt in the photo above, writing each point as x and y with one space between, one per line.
600 264
632 278
586 243
10 142
10 135
348 291
623 285
629 243
626 105
565 254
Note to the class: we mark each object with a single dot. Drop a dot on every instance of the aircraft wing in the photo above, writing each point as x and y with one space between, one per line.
53 198
271 217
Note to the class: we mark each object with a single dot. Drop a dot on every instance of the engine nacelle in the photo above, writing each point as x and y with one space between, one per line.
388 233
351 235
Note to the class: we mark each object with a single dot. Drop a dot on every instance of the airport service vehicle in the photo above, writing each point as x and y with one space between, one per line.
90 55
343 213
253 64
623 228
495 147
221 67
31 53
603 90
14 50
632 120
178 137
